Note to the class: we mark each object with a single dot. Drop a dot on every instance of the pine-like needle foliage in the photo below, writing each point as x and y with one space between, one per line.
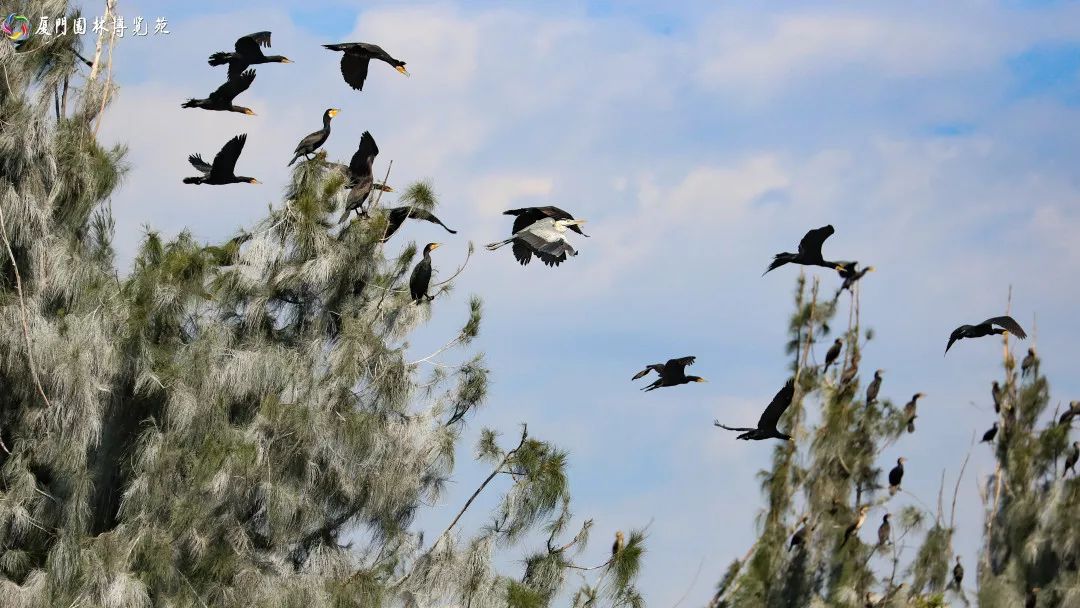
238 424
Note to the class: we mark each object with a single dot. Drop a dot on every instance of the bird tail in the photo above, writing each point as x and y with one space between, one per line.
220 58
448 229
779 260
192 180
293 160
189 103
494 246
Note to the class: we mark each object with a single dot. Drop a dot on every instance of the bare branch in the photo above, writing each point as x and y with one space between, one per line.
22 306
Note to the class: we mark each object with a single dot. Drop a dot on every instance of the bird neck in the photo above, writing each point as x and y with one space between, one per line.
326 121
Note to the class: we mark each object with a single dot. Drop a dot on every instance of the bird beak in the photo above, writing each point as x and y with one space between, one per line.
254 181
249 111
401 69
838 268
435 246
701 380
334 112
384 187
871 269
286 60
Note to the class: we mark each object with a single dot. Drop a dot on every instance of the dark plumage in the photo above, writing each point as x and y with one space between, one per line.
1071 459
909 411
354 63
850 272
832 354
995 392
989 435
1069 414
986 328
222 97
527 216
809 253
361 177
849 372
799 538
619 543
853 529
672 373
312 141
958 575
884 531
896 475
248 53
766 426
397 216
874 387
221 171
421 276
1029 361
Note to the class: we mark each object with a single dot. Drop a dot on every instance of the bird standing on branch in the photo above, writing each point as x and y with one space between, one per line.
421 276
884 531
909 411
874 387
853 529
546 239
1071 459
766 426
620 542
361 180
958 575
832 354
1029 361
988 436
312 141
896 475
986 328
672 373
1069 414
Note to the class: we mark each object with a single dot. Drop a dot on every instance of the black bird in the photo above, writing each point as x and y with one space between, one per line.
853 529
958 575
1071 459
909 411
832 353
312 141
527 216
896 475
396 216
619 543
986 328
221 171
1029 361
672 373
884 531
360 177
354 63
995 392
850 272
874 387
248 53
799 538
989 435
1072 412
849 372
222 97
809 253
421 276
766 426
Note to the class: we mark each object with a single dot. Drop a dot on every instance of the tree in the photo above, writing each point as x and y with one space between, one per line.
211 429
834 466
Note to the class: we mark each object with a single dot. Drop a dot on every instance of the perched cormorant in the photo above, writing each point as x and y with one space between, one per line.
986 328
849 372
853 529
222 97
619 543
354 63
958 575
884 531
896 475
546 239
766 426
312 141
396 216
832 354
995 392
248 53
1071 459
1028 362
221 171
809 253
989 435
909 411
874 387
527 216
361 178
421 276
672 373
1069 414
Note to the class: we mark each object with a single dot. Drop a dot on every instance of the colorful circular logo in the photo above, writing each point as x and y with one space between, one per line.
16 28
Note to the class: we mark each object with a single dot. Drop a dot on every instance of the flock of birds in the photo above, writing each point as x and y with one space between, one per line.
542 232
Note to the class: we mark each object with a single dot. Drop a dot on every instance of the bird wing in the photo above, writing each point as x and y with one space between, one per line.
680 363
525 217
359 193
559 249
225 160
233 87
522 252
248 46
814 239
778 406
427 216
655 367
197 161
354 70
1008 323
311 141
364 156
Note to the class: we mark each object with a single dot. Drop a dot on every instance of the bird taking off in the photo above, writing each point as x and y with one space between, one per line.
354 63
672 373
851 273
546 239
527 216
809 253
766 426
986 328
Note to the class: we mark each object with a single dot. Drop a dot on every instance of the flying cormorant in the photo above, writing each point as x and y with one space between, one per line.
672 373
222 97
248 53
986 328
221 171
396 216
354 63
809 253
766 426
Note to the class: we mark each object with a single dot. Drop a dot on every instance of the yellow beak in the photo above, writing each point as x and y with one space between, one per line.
401 69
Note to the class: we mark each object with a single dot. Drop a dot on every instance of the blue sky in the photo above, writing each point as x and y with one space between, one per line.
940 141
